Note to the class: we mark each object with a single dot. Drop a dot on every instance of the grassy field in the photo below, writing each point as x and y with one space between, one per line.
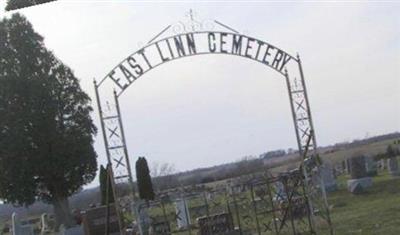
375 212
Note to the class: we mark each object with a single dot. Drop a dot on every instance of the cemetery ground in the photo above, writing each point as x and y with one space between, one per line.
376 211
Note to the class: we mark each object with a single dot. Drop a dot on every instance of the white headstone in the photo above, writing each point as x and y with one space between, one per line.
393 166
347 165
182 212
143 220
383 164
18 229
359 185
371 166
280 193
44 226
328 176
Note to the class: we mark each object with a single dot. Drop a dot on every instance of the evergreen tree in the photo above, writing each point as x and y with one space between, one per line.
46 132
103 187
143 178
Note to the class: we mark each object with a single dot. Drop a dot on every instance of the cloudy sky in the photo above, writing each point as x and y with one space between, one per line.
206 110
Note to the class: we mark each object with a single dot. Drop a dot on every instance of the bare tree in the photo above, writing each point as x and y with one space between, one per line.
163 175
162 169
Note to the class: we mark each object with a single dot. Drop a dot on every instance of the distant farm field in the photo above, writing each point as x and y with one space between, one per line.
334 157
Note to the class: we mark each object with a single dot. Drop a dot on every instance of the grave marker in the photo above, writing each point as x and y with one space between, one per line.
371 166
44 226
143 220
393 166
94 221
18 229
182 213
382 164
215 224
161 228
328 177
359 179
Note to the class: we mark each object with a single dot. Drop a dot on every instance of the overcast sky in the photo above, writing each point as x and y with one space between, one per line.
206 110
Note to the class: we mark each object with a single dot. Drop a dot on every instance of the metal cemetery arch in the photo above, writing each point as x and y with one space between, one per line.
230 42
185 45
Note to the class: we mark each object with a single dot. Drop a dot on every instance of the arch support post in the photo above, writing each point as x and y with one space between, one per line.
306 140
317 188
117 155
128 165
110 175
297 105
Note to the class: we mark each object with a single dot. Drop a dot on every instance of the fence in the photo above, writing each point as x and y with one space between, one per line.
263 205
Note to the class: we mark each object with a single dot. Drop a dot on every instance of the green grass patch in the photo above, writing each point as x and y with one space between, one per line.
377 211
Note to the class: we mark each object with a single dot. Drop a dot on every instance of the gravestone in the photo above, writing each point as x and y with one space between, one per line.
198 211
382 164
371 166
344 170
359 178
209 196
94 221
143 220
17 228
347 164
234 189
160 228
393 166
182 213
215 224
357 165
338 169
280 193
328 177
44 224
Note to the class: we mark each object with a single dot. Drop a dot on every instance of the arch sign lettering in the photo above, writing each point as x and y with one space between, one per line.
170 45
197 43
